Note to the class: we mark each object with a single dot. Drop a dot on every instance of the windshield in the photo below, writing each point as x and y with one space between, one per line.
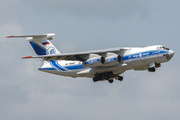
163 48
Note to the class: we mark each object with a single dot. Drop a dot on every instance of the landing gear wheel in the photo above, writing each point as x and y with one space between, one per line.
120 78
94 79
151 69
111 81
107 77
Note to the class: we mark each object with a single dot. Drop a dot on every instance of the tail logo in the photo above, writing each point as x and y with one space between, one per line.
51 50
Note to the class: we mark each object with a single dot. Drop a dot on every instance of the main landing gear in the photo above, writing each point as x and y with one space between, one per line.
107 76
152 66
120 78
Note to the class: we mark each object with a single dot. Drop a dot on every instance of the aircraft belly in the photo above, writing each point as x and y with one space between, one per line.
56 72
115 69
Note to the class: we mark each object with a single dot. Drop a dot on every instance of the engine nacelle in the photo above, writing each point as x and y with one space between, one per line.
112 60
94 62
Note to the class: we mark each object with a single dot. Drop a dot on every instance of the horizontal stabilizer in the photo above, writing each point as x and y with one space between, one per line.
26 36
48 36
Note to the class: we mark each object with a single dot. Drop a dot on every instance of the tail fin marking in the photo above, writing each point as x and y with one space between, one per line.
38 49
40 43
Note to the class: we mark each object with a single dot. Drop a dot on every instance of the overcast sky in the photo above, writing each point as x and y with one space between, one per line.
28 94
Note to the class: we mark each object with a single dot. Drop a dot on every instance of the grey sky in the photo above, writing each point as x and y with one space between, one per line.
27 93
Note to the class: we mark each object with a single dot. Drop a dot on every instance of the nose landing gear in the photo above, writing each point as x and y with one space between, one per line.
151 69
120 78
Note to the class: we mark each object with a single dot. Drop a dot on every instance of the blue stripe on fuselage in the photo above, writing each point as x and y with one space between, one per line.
144 54
74 67
55 64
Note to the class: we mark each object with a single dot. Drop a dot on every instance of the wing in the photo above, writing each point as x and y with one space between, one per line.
80 56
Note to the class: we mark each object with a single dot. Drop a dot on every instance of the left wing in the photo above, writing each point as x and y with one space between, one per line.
80 56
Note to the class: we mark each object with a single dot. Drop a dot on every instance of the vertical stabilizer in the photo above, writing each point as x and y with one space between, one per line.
41 43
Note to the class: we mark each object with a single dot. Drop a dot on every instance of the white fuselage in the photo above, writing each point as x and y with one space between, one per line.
133 58
100 65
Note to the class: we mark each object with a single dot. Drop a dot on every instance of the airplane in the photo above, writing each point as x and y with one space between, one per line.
100 65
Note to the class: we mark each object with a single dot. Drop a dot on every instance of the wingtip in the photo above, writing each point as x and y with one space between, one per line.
26 57
9 36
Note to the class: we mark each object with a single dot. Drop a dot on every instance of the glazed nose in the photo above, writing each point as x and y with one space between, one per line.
171 53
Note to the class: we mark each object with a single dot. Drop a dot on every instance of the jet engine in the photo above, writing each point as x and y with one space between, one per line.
112 59
94 62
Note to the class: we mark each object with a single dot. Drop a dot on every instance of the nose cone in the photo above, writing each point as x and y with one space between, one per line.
171 53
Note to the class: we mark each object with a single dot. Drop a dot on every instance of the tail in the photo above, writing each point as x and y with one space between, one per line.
40 43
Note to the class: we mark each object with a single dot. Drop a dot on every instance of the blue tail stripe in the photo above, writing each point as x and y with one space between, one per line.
38 49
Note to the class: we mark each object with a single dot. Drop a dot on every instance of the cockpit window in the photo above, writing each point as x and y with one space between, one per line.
159 47
165 48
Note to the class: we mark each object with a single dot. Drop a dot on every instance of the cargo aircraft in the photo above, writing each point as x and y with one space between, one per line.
100 65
